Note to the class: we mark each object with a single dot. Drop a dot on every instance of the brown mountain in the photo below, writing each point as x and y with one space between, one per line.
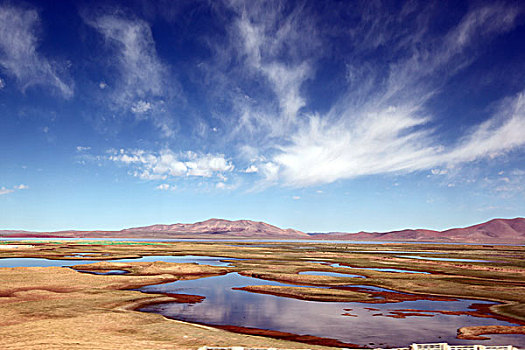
239 228
493 231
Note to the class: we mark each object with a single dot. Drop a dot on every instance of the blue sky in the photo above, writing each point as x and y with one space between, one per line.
321 116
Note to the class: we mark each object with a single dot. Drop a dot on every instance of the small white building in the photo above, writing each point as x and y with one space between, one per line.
445 346
430 346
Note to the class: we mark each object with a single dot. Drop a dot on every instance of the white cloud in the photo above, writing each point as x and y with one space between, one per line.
270 172
496 136
144 82
83 148
390 142
102 85
296 198
140 68
224 186
2 84
140 107
165 164
19 54
285 79
166 187
251 169
438 171
5 190
269 47
382 126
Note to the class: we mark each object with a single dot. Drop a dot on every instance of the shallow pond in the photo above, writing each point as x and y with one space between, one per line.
358 323
110 272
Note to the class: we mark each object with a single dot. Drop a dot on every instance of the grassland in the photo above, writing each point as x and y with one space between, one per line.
61 308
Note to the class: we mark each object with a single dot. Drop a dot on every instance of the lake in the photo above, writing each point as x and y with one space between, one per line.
369 325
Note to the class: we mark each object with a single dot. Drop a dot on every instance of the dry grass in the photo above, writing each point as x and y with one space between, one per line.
58 308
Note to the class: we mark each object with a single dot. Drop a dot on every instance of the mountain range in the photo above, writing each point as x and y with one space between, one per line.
493 231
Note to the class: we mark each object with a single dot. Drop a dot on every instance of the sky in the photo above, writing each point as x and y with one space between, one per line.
314 115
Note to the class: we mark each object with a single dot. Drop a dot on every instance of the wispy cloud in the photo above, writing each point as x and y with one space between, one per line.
167 164
143 84
382 126
82 148
5 190
380 119
391 142
19 54
261 69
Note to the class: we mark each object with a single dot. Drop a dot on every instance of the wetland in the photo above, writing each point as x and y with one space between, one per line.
327 294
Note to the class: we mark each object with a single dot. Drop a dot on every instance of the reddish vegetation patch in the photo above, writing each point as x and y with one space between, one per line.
31 235
349 314
479 310
404 314
410 312
392 297
308 339
372 309
185 298
474 333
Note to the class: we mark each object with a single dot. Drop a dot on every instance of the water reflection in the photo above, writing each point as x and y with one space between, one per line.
110 272
370 323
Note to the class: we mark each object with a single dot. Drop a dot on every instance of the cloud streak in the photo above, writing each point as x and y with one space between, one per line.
143 85
5 190
19 54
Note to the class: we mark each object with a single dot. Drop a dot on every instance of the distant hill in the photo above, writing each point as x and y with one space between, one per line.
218 227
493 231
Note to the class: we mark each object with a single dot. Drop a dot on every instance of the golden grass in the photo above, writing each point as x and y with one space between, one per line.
58 308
